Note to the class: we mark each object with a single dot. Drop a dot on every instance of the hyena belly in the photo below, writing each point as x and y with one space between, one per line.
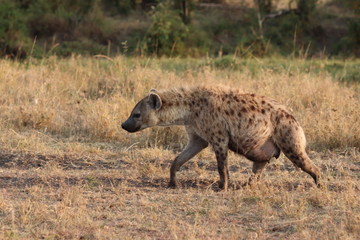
260 152
254 141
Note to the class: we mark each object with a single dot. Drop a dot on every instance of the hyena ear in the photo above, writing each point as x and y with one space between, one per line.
155 101
153 90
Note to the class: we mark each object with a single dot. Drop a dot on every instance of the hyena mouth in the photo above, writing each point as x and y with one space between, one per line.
136 129
131 130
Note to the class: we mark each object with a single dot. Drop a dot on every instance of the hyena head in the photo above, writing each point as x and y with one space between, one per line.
144 113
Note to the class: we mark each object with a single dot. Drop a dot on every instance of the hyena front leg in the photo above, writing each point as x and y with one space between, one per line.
194 146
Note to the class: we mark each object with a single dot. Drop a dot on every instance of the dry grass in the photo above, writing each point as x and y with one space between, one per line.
68 172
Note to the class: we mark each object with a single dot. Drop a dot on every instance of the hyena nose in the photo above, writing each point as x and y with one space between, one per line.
123 125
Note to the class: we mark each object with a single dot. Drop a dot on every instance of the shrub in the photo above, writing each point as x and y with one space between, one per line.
124 7
13 30
167 33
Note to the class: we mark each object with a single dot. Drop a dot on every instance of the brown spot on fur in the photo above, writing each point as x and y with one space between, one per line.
243 101
236 99
252 107
232 112
263 111
227 113
262 102
277 120
244 109
239 114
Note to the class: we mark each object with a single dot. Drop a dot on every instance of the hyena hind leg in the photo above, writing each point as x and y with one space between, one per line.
261 157
291 140
302 161
257 169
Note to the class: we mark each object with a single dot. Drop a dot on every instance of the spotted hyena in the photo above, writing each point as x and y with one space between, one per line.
254 126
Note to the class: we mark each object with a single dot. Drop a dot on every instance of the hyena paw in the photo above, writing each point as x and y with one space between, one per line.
172 185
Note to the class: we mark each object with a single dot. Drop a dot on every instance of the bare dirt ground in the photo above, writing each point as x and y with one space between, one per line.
125 196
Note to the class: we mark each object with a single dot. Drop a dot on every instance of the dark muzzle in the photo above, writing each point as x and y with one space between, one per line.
130 126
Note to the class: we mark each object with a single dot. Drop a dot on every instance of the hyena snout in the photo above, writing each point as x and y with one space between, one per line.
130 125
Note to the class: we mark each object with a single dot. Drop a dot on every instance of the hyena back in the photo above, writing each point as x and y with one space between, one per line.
253 126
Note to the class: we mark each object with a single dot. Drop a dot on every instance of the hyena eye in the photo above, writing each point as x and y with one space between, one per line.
136 115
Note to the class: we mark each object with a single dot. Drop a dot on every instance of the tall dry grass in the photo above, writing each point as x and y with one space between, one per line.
46 105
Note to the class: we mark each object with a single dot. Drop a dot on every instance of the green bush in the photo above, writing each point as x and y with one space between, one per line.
306 8
167 33
60 26
13 30
124 7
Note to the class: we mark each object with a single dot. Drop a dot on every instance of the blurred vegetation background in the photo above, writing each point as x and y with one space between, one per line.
186 28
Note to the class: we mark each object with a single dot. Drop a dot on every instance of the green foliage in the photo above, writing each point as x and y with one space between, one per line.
84 47
198 43
265 6
306 7
47 18
12 29
352 39
124 7
281 31
227 62
167 33
174 29
342 71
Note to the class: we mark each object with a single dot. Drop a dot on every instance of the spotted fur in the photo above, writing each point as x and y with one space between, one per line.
254 126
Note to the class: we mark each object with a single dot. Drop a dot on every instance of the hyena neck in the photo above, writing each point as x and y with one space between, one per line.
174 110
